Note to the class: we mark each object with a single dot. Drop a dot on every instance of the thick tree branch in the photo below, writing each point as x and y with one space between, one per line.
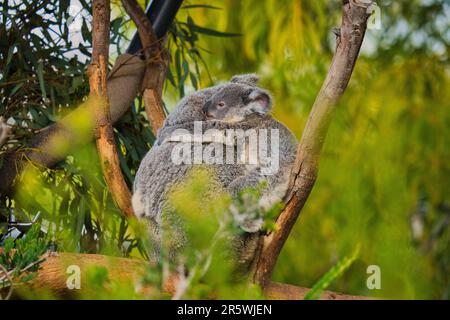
304 172
52 276
104 133
155 65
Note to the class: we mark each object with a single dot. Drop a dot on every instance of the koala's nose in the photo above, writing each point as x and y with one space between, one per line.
205 110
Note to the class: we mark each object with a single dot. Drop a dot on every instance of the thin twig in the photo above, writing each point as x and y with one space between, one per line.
155 64
32 264
7 276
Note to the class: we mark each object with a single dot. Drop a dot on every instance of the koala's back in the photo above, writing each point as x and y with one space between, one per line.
155 176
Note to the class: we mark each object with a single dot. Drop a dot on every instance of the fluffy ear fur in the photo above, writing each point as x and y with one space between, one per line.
260 101
250 79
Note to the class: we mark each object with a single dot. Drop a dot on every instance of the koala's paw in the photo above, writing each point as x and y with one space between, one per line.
275 193
250 221
252 225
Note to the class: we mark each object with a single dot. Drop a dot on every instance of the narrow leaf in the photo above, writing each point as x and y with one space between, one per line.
335 272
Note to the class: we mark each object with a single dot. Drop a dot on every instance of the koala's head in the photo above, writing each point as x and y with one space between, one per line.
235 101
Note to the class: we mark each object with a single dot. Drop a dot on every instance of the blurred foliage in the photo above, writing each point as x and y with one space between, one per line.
334 273
384 174
21 258
209 269
44 52
383 180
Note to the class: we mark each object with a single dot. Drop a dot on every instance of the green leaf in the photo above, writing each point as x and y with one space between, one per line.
116 24
124 167
335 272
10 54
170 77
63 6
15 89
28 277
9 244
205 6
40 73
212 32
185 71
85 31
193 81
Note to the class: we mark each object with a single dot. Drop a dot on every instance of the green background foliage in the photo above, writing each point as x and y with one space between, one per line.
383 184
383 180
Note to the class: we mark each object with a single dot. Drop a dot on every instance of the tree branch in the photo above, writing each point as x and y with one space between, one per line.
304 172
155 65
52 276
104 133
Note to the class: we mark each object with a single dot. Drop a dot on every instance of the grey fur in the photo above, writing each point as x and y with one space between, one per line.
157 174
250 79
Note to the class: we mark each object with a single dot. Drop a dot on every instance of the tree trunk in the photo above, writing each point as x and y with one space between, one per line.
104 134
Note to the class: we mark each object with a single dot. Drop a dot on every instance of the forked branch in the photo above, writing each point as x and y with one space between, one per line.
155 65
304 173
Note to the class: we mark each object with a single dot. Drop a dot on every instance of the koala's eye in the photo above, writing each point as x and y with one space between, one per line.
221 104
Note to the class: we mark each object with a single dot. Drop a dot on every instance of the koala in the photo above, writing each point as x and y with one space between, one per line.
240 105
247 107
156 173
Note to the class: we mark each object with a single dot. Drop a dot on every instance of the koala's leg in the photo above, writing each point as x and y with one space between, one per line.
166 235
154 235
244 249
249 180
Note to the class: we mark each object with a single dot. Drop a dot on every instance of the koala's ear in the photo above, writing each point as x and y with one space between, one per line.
260 101
250 79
